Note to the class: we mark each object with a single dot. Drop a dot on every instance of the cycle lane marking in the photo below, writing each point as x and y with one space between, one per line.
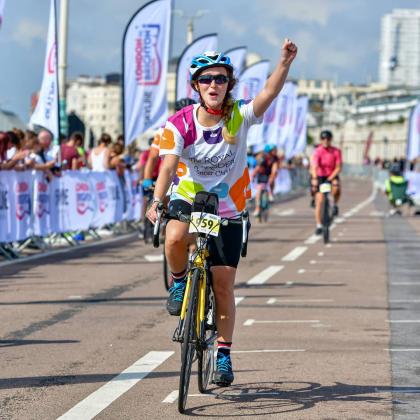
294 254
272 301
264 275
154 258
100 399
251 322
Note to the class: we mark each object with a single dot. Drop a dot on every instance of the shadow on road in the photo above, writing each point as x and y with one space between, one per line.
14 343
287 397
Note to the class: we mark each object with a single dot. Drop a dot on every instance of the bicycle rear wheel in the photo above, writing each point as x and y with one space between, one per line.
206 356
326 219
188 346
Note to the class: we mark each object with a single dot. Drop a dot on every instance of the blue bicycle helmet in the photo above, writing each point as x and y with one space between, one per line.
207 60
269 147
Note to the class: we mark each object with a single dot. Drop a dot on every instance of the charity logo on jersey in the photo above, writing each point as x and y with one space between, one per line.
148 61
42 204
23 200
83 198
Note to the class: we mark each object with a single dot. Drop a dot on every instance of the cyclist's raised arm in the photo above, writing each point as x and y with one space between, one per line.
276 81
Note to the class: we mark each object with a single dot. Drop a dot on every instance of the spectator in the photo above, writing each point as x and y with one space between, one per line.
99 156
47 155
116 159
79 143
69 154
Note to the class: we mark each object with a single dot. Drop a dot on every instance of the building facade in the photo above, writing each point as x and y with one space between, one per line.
400 48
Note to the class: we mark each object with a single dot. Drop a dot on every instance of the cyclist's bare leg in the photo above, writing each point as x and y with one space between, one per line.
336 191
318 202
176 245
223 285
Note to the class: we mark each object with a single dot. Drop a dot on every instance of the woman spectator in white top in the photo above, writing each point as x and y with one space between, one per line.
99 156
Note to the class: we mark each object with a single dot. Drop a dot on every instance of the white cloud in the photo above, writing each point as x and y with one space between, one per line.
268 34
317 11
234 26
27 31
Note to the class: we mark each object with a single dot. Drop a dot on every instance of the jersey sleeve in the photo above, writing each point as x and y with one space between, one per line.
156 139
339 159
246 108
171 141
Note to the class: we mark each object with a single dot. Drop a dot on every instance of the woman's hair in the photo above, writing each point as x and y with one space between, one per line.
117 148
105 139
4 140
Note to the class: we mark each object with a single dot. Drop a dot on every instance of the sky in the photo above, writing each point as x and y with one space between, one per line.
337 39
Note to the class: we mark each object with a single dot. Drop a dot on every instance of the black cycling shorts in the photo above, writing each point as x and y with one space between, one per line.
225 250
323 179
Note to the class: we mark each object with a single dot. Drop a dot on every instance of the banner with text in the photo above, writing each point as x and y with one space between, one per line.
46 113
286 113
251 82
198 46
2 3
297 142
145 68
413 141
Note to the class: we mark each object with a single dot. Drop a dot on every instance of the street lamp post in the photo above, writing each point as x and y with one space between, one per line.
190 25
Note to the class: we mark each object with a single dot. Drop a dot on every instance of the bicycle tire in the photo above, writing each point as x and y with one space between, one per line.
326 220
166 279
188 346
206 357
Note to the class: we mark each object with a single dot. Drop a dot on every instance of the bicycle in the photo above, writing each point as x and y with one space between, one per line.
147 224
196 329
326 212
264 205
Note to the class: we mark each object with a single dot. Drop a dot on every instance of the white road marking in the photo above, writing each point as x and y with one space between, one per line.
339 220
340 233
406 283
404 301
301 271
75 297
268 351
250 322
312 262
329 245
320 254
403 350
287 212
377 213
289 283
154 258
404 321
274 300
262 277
312 239
171 398
108 393
238 300
295 253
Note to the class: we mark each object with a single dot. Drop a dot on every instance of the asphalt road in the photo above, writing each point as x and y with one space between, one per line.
322 332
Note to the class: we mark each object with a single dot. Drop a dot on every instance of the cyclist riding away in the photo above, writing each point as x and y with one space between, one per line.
205 150
325 167
265 173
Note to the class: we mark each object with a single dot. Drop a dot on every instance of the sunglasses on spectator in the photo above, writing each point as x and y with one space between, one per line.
326 138
206 79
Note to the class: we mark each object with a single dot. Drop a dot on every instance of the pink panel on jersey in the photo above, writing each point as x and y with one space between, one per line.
326 159
183 120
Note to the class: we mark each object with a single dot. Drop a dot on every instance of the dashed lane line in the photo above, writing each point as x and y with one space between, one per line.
99 400
264 275
295 253
250 322
154 258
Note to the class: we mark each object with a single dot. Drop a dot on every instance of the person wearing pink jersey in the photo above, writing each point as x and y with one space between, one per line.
326 165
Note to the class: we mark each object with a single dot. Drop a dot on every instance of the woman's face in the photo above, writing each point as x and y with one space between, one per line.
212 93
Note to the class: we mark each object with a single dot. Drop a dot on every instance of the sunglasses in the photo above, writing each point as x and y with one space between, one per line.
206 79
326 138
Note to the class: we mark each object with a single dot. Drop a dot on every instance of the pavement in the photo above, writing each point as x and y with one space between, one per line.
322 331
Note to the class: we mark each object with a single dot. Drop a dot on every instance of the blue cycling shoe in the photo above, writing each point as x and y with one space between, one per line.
176 296
223 375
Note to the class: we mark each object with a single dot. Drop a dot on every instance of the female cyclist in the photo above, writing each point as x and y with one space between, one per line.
205 149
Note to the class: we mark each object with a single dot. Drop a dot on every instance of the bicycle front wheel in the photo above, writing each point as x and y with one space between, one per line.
188 346
326 219
206 356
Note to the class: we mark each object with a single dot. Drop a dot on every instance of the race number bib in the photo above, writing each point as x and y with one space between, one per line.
205 223
325 188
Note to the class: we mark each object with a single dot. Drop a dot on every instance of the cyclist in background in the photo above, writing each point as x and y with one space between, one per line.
326 165
265 174
205 150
